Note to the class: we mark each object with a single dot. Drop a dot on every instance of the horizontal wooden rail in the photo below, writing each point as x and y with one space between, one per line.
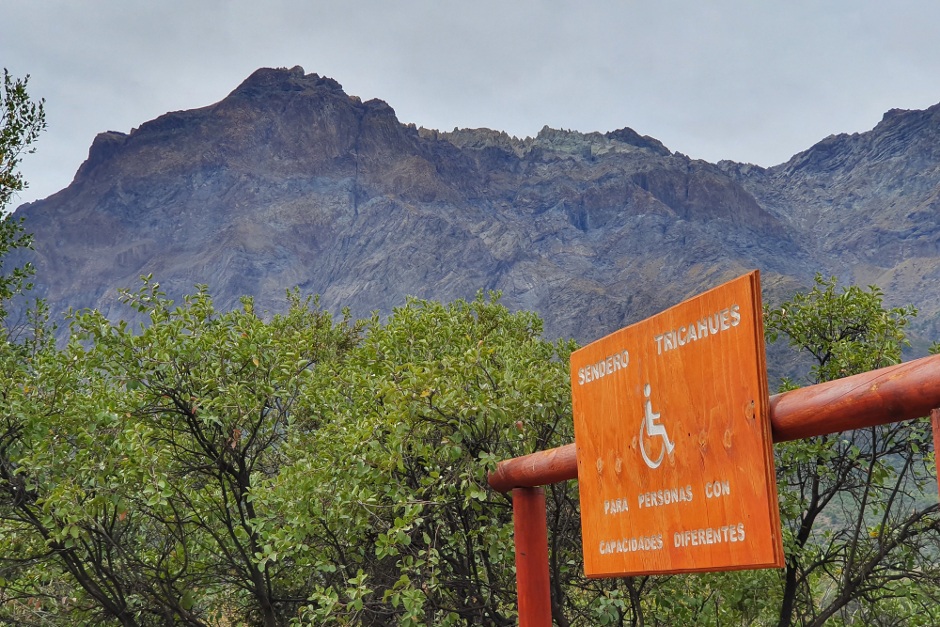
902 392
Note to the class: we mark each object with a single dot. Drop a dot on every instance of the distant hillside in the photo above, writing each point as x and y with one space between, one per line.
290 181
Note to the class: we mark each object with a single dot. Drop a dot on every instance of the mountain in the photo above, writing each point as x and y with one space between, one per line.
289 181
867 205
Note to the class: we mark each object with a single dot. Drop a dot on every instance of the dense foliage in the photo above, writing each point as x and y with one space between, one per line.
217 466
232 468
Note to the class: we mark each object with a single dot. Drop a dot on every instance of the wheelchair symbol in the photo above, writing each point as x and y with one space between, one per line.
653 428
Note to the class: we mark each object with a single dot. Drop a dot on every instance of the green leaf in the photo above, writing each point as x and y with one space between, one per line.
187 600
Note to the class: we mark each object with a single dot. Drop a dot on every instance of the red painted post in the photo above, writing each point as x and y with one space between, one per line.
531 531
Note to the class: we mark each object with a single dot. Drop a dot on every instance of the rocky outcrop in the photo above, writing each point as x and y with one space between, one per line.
289 181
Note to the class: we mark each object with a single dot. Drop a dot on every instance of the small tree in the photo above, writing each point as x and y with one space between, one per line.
860 536
398 523
135 469
21 121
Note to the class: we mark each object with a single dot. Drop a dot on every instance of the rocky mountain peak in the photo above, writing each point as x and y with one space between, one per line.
266 82
868 204
901 134
105 146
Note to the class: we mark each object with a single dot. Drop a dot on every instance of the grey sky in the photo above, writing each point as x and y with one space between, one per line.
728 79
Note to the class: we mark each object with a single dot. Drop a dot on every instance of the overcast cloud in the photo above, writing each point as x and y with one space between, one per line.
744 80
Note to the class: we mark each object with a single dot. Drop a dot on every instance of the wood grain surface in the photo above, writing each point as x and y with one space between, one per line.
675 460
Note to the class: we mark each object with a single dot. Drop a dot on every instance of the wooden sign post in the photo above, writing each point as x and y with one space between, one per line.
675 459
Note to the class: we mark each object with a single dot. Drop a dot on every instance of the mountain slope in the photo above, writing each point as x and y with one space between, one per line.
289 181
867 205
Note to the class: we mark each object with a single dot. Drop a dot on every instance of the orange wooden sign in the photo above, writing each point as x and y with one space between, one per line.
675 459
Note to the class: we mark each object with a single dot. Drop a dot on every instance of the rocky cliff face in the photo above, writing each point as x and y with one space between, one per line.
289 182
